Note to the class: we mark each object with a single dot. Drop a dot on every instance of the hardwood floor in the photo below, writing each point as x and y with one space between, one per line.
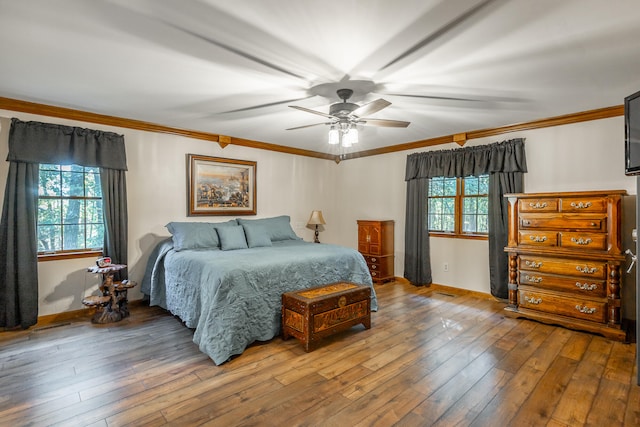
431 358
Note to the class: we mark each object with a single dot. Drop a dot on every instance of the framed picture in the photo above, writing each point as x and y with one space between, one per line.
220 186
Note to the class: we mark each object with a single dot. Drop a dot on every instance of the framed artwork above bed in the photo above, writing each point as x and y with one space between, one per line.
219 186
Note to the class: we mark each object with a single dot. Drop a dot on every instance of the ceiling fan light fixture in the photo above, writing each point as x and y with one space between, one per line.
334 136
350 137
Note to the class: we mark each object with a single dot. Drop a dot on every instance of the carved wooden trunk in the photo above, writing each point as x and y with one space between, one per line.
564 259
311 314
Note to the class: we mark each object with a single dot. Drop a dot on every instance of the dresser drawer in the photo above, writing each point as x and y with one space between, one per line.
572 285
583 241
570 267
538 238
563 222
595 311
538 205
597 204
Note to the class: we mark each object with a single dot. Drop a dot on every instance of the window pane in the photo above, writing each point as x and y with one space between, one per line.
92 185
483 186
469 223
72 184
470 205
73 211
73 237
94 211
449 206
49 211
470 185
450 186
95 235
435 222
483 205
448 222
49 183
436 187
49 238
483 224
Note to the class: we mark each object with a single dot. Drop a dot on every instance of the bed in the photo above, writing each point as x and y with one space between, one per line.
225 280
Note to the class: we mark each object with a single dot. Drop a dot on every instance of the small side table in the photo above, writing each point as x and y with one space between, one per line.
111 306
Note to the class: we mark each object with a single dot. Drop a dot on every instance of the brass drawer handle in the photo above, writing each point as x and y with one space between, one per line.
580 205
538 239
586 269
586 286
373 267
533 279
584 309
581 241
533 264
535 301
538 205
373 260
373 273
526 222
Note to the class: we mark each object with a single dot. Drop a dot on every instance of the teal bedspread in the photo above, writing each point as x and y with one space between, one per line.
233 298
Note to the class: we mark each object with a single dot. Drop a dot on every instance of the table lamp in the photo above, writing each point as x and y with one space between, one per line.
316 219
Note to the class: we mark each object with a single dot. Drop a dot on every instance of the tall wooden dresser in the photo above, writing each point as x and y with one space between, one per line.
375 243
564 259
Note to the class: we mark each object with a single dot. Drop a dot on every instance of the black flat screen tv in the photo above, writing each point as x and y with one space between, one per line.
632 134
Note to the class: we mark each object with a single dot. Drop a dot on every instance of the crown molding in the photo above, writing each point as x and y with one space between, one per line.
224 140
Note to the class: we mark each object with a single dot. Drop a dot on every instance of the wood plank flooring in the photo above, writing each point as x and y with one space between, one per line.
431 358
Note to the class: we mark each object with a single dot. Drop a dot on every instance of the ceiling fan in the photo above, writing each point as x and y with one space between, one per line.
344 116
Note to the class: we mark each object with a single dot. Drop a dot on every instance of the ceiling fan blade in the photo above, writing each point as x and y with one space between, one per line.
384 123
320 113
370 108
265 105
308 126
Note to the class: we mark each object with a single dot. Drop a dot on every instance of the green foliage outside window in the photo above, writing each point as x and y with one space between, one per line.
459 205
442 202
70 214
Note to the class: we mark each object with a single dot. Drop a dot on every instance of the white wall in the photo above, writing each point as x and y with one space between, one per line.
583 156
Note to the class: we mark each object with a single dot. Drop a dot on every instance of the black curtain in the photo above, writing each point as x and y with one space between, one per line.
32 143
498 159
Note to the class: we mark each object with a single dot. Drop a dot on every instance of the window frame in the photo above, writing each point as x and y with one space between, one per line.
69 253
459 197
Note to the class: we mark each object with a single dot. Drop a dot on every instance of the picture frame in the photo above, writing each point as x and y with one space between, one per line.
219 186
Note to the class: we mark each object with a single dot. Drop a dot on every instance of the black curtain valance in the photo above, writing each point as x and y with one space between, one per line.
505 156
35 142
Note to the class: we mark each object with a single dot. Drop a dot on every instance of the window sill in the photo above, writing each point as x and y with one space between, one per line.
460 236
68 255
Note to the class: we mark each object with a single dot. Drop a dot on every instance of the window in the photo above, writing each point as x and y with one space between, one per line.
70 219
459 207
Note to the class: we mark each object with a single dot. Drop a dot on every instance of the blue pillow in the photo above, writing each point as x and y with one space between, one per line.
196 235
256 235
193 235
278 227
232 238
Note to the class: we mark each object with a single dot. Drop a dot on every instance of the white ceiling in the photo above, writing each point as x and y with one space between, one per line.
233 67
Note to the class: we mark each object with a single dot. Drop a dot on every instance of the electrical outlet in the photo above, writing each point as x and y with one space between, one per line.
445 266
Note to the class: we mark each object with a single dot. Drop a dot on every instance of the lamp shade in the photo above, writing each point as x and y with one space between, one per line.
316 218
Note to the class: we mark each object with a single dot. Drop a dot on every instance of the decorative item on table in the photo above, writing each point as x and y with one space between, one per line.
103 261
316 220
